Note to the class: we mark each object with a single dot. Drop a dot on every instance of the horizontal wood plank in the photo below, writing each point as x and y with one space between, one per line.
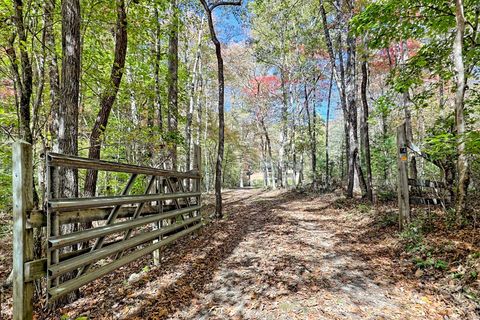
60 241
429 201
60 160
426 183
38 218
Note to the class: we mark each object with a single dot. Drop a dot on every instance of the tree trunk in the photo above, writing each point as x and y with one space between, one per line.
240 180
311 133
66 180
462 163
69 92
365 140
339 74
282 173
273 183
327 123
191 104
158 57
221 119
292 147
352 119
264 162
108 96
25 76
172 81
413 173
52 64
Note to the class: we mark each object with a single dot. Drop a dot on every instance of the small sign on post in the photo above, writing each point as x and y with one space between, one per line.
403 154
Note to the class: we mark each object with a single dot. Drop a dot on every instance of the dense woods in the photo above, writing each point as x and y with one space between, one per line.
280 94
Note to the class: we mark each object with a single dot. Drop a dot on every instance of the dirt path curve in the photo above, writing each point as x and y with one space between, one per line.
278 255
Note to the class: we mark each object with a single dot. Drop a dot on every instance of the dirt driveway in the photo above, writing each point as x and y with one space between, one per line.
277 255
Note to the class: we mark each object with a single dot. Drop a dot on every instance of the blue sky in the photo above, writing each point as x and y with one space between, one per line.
229 25
231 28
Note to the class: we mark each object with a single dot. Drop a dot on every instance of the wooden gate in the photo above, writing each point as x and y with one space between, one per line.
116 229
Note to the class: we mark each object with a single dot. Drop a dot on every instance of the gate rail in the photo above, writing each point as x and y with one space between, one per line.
135 225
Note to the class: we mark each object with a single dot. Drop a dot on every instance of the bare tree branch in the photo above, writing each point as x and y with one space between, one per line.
225 3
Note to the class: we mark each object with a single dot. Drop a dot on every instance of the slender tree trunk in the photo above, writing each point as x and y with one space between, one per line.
282 173
292 148
365 140
221 119
199 103
158 57
300 171
172 80
384 141
311 133
108 96
191 104
352 119
270 154
462 163
413 173
240 180
327 125
24 77
54 77
339 75
264 162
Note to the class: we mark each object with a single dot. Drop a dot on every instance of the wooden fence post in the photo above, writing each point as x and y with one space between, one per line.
402 188
22 237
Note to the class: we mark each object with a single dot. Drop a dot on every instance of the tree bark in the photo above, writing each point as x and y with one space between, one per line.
311 130
282 173
221 119
269 149
413 172
327 125
158 56
462 163
354 164
365 140
339 75
108 96
191 104
24 77
172 81
69 93
53 74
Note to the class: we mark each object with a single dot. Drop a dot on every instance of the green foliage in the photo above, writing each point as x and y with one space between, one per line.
5 178
388 220
383 147
390 23
428 262
412 237
364 208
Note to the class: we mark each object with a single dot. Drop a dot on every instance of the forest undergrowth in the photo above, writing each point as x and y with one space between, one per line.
293 255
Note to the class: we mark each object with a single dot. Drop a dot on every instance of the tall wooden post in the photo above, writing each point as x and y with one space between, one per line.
402 188
22 237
